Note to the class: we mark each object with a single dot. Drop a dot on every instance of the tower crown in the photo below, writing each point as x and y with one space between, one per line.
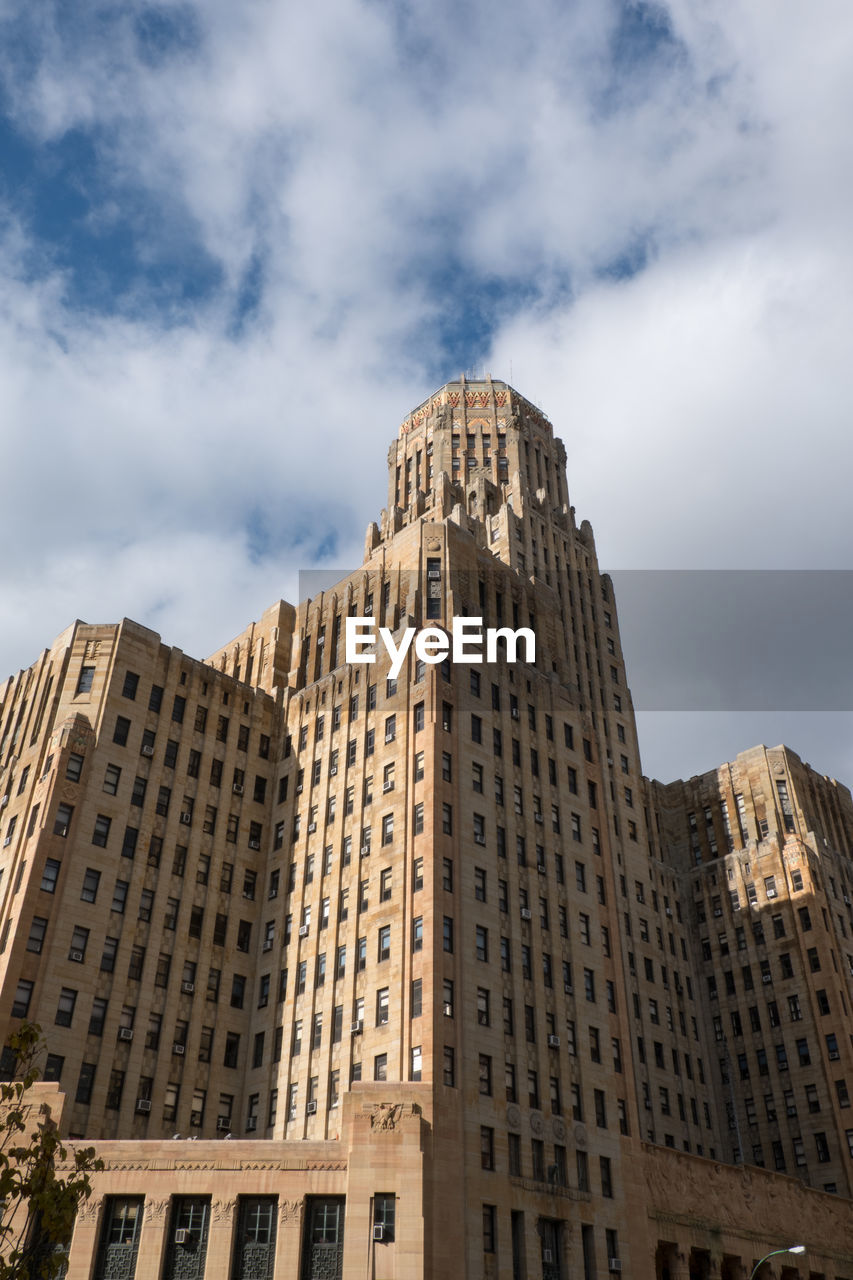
477 449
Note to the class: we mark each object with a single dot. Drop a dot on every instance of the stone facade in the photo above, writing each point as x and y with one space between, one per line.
428 953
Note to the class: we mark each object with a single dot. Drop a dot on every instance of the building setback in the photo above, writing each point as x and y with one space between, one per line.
464 993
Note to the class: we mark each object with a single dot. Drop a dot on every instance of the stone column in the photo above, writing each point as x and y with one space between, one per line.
84 1242
679 1267
152 1242
288 1243
223 1218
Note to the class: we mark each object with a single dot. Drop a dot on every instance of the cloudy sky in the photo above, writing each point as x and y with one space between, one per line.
238 242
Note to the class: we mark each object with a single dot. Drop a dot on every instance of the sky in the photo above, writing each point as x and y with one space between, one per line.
238 243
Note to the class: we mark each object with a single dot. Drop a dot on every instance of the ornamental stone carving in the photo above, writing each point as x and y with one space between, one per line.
223 1210
156 1210
386 1116
289 1211
89 1209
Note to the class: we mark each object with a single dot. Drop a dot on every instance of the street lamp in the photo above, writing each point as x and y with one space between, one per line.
793 1248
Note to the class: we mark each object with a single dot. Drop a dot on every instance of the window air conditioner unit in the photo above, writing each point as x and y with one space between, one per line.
312 827
186 819
389 737
648 1104
540 867
846 900
4 802
333 770
178 1049
526 913
537 817
76 955
187 988
378 1231
482 1017
268 944
181 1235
669 913
147 750
567 987
834 1055
237 788
553 1042
368 610
311 1109
388 786
143 1104
8 840
771 893
448 1010
718 911
365 850
304 930
251 1124
300 789
766 977
547 1256
125 1033
61 831
357 1028
514 713
223 1122
433 573
479 838
254 844
614 1264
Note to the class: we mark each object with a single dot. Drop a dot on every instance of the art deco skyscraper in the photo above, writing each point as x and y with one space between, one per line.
429 931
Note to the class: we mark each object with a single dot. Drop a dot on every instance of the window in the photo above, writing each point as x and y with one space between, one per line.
38 929
482 943
489 1228
606 1177
65 1007
232 1049
487 1147
449 1066
447 934
50 875
23 995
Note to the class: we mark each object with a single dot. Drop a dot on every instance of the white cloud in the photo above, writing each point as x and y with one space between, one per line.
359 152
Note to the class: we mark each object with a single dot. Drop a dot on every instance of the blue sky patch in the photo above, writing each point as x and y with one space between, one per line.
121 252
163 32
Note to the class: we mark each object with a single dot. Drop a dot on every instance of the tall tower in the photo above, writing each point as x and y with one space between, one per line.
762 848
434 930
